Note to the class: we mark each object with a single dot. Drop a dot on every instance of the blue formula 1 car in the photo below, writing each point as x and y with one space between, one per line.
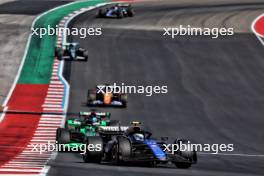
116 11
133 144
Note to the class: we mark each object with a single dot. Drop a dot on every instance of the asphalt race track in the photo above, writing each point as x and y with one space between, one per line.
215 85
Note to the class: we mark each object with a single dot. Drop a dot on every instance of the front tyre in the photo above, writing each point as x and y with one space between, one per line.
189 155
100 13
85 55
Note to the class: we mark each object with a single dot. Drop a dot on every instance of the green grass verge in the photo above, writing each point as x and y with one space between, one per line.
37 67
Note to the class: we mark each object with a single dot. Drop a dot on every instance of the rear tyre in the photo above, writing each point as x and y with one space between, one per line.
85 55
130 13
99 13
62 136
123 99
91 96
95 155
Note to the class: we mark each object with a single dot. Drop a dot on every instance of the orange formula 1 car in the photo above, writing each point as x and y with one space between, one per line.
100 97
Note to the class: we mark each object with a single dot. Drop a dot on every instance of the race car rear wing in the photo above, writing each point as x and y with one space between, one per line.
124 5
112 130
104 114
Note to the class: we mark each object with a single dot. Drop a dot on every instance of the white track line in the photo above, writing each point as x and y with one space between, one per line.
51 106
51 115
53 99
259 36
52 103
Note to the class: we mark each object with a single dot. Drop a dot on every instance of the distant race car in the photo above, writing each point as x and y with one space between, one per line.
97 98
87 124
116 11
71 51
134 144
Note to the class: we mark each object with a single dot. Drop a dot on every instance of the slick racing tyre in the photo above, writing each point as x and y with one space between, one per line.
85 55
125 148
100 13
58 53
62 136
93 154
189 155
130 12
123 99
82 53
122 150
91 96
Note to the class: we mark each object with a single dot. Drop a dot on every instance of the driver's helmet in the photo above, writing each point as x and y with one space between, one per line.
138 136
94 119
91 118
